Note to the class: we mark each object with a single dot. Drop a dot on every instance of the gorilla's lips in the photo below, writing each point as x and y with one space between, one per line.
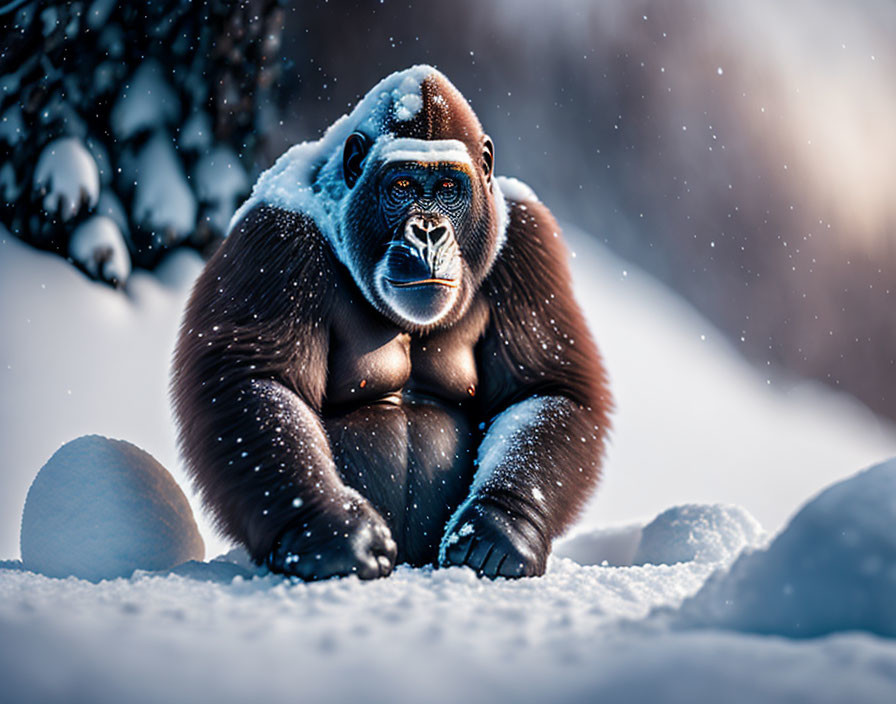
450 283
419 276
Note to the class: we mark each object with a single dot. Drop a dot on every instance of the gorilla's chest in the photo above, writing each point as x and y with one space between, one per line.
398 415
370 360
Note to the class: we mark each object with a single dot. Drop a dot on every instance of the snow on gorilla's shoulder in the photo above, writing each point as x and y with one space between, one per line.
516 190
307 177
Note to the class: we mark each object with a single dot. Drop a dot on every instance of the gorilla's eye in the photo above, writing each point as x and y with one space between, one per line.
401 187
447 189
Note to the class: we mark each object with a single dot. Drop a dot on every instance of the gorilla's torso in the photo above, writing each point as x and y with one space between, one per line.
400 413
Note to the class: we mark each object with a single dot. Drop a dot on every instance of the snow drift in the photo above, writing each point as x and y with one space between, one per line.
832 569
225 631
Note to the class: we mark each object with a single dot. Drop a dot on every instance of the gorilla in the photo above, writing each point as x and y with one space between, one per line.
383 363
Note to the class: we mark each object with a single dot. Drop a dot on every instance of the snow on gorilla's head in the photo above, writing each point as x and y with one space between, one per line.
308 177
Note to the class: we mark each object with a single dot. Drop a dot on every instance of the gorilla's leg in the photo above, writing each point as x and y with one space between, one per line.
274 484
530 462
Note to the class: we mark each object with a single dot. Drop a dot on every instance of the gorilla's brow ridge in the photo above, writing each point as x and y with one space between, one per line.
426 151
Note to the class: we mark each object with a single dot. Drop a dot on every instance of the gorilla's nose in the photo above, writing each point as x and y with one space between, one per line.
427 231
426 251
433 238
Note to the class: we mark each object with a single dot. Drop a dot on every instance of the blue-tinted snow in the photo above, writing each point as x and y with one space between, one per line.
147 101
67 175
76 358
98 245
101 508
832 569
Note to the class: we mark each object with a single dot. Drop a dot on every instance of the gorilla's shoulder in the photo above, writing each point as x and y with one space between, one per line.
271 262
533 251
264 223
280 241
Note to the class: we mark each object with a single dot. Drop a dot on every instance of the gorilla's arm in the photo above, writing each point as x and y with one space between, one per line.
249 378
546 403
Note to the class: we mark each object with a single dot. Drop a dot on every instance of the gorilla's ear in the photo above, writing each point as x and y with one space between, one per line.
488 158
356 148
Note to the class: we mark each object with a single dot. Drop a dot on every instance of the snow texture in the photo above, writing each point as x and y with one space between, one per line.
101 508
697 532
832 569
222 631
98 245
220 180
163 201
227 631
146 102
516 190
68 177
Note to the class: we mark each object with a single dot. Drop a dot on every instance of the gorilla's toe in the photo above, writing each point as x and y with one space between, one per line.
321 551
495 544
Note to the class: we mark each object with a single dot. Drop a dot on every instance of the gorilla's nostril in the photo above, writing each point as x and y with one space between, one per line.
437 235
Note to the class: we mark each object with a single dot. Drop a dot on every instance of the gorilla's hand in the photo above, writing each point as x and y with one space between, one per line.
494 542
356 540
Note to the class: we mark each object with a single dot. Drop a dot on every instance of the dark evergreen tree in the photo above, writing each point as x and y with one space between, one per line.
128 129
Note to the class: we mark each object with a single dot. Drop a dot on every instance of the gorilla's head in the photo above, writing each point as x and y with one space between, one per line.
423 219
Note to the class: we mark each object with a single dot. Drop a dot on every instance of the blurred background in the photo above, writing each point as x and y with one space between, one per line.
743 153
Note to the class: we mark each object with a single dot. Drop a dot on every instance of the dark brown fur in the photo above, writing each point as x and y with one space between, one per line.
293 393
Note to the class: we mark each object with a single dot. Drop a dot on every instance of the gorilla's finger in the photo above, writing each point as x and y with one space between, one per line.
492 566
385 565
480 552
457 553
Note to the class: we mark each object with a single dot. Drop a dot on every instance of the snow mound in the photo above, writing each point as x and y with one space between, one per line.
832 569
67 176
12 127
147 101
100 509
98 245
196 133
608 547
163 201
220 181
9 189
704 533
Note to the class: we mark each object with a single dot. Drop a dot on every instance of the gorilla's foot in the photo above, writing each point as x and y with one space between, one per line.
495 543
360 544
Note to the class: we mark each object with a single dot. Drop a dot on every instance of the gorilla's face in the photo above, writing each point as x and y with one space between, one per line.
419 227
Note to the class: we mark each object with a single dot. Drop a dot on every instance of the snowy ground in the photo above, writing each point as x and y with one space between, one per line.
694 425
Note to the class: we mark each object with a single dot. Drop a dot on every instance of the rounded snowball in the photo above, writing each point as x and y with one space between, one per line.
100 509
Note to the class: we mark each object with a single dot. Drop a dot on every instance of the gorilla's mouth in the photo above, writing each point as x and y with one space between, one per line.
450 283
